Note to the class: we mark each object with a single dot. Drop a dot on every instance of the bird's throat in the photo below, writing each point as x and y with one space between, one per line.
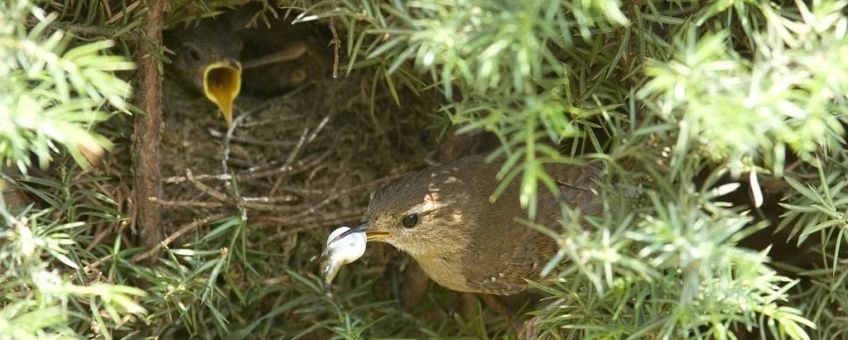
222 84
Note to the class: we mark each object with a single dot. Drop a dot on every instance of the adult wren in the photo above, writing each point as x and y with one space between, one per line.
443 218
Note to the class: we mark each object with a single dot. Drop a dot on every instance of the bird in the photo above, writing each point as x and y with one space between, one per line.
213 56
206 59
443 218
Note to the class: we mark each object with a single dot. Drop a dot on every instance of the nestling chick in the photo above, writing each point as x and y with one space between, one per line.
207 59
221 56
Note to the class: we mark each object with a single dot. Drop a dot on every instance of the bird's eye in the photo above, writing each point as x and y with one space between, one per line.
410 220
193 52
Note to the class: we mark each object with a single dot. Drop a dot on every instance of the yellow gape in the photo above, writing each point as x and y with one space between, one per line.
222 84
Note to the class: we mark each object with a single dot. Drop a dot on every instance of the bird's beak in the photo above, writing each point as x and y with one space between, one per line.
222 84
375 235
370 235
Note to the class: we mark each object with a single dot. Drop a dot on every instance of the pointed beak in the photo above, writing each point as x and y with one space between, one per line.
222 84
370 235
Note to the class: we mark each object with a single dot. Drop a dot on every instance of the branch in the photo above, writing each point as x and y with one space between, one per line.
185 229
341 193
255 174
146 140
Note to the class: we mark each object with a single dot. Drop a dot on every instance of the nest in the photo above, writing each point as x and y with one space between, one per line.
299 162
293 166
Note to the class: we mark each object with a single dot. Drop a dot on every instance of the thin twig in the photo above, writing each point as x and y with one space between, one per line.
227 138
195 204
334 218
185 229
287 169
253 141
274 199
305 137
303 165
297 50
341 193
99 261
99 237
88 30
252 205
337 43
240 202
206 189
129 9
296 151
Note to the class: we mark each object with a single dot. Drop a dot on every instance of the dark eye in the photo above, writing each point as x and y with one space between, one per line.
193 52
410 220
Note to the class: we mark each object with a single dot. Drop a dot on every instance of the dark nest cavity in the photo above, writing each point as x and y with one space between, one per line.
294 163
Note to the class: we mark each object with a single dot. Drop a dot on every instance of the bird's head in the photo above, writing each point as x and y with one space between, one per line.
428 213
206 57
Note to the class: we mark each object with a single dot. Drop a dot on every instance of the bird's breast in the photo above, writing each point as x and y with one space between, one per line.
445 271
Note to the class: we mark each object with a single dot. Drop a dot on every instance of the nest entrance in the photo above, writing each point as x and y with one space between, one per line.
292 162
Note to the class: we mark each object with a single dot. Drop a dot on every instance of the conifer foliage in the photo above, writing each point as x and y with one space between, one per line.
720 125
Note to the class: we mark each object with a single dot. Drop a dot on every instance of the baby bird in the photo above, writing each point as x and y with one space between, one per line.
223 55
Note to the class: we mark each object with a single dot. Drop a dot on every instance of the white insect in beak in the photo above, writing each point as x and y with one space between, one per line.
341 251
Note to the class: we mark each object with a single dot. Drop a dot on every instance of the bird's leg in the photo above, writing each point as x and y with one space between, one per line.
499 306
469 306
530 328
414 287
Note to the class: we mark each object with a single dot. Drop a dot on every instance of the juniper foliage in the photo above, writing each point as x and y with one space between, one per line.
689 105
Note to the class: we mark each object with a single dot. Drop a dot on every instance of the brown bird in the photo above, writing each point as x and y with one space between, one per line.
207 60
220 56
443 218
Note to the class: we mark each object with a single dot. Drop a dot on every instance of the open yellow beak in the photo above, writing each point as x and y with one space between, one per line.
222 84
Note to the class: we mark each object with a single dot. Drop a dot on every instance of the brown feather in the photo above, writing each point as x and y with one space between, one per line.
467 243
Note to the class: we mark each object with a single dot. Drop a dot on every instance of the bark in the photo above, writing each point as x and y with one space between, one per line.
147 182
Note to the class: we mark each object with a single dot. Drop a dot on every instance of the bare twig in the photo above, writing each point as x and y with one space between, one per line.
276 199
253 141
258 203
341 193
293 169
227 138
206 189
88 30
99 237
296 50
118 196
185 229
288 169
296 151
196 204
230 203
337 43
153 5
332 218
99 261
305 137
